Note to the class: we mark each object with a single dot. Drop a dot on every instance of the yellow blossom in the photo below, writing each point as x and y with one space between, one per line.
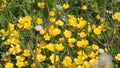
47 37
72 20
117 57
11 26
57 31
59 47
14 49
26 52
41 57
20 58
67 61
20 64
116 16
84 7
78 60
67 33
41 4
60 22
83 34
4 33
95 47
54 60
43 31
81 23
9 65
71 40
52 13
50 46
97 31
53 19
66 6
51 30
61 39
83 43
39 21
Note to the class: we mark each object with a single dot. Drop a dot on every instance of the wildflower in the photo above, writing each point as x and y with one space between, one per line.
59 47
47 36
61 39
4 33
83 43
20 58
9 65
59 22
117 57
83 34
84 7
66 6
11 26
71 40
51 30
41 57
26 52
56 31
20 64
72 20
67 33
116 16
38 27
50 46
81 23
52 13
54 60
95 47
101 50
53 19
79 60
98 17
97 31
39 21
41 5
43 31
14 49
67 61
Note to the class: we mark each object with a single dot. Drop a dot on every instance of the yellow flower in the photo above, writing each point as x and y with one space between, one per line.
71 40
72 20
43 31
47 36
83 34
95 47
20 64
81 23
39 21
117 57
116 16
41 57
98 17
56 31
51 30
59 22
67 33
9 65
97 31
52 13
84 7
59 47
61 39
11 26
20 58
67 61
50 46
83 43
26 52
66 6
79 60
4 33
52 58
27 25
14 49
41 4
53 19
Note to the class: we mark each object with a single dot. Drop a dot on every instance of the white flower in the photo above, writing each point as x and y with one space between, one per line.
101 50
38 27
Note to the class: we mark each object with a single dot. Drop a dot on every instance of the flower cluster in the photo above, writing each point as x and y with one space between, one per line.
55 35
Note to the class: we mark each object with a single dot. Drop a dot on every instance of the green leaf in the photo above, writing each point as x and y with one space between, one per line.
30 1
